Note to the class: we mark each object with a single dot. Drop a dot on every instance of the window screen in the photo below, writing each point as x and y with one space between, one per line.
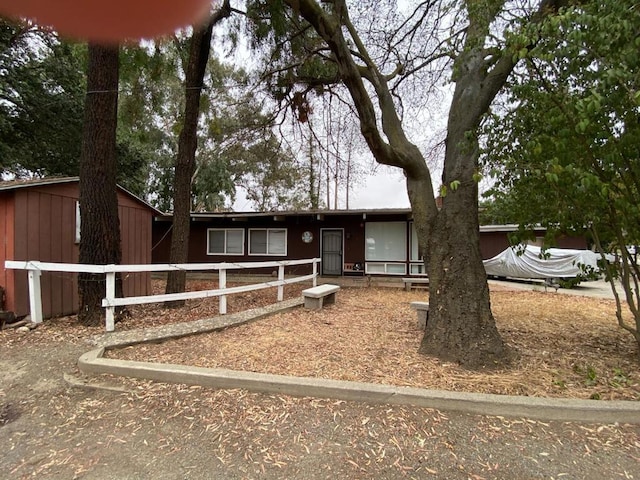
268 242
225 241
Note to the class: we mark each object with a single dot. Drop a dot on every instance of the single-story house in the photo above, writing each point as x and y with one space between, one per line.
40 220
349 242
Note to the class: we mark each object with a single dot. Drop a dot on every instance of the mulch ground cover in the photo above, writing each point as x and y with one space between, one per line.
567 346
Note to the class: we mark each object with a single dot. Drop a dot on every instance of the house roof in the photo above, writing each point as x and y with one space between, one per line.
9 185
292 213
321 214
35 182
509 227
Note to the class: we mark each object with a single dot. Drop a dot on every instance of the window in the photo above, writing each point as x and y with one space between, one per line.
269 241
222 241
78 222
417 260
415 256
386 241
386 268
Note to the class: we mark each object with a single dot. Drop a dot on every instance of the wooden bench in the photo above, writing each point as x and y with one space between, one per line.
409 282
423 313
316 297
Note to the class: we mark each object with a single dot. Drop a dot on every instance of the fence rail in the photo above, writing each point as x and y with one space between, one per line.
110 301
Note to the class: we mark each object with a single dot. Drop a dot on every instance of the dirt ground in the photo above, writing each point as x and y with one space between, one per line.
568 347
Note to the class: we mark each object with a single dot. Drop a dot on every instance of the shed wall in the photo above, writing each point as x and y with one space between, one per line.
7 247
45 226
45 231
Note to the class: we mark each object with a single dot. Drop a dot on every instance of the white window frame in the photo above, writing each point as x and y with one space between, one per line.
416 265
413 242
78 222
225 230
385 268
269 230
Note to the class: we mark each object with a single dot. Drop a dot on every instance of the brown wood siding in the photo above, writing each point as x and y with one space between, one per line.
7 247
493 243
353 225
44 229
579 243
161 242
69 253
135 230
46 232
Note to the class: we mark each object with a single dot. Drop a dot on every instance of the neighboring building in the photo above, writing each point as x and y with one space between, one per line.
353 242
39 220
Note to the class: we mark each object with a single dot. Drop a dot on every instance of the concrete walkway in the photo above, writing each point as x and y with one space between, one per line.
93 362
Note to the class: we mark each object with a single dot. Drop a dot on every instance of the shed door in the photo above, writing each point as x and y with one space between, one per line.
332 252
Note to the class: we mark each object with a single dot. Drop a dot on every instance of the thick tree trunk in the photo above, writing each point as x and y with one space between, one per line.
186 159
100 226
461 326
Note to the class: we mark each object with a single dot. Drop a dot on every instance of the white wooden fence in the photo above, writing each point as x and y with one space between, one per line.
110 301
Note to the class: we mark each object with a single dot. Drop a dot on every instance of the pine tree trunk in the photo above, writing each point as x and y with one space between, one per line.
100 226
186 159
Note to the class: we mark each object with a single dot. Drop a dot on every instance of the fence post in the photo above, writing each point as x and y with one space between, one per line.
315 272
222 280
110 296
35 297
280 287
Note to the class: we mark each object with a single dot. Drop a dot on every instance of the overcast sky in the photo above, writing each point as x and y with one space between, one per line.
384 190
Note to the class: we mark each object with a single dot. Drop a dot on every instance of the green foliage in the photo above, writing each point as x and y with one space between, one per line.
233 127
589 373
42 91
295 68
491 212
561 384
564 155
564 149
277 182
43 87
619 379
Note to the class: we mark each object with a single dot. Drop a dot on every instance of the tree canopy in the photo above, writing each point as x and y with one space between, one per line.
564 146
42 84
42 91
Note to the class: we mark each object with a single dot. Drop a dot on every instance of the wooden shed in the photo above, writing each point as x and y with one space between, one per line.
39 220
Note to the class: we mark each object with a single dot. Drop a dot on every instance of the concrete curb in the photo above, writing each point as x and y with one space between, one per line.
78 382
590 411
587 411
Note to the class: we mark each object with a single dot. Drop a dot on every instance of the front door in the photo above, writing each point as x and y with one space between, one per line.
332 252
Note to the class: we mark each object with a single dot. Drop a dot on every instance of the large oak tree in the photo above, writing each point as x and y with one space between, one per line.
461 326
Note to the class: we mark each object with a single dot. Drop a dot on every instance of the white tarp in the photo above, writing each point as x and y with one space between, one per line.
559 263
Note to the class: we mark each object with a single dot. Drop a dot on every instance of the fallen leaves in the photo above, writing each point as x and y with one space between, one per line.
568 346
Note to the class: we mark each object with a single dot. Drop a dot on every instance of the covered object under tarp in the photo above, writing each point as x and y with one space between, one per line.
530 263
